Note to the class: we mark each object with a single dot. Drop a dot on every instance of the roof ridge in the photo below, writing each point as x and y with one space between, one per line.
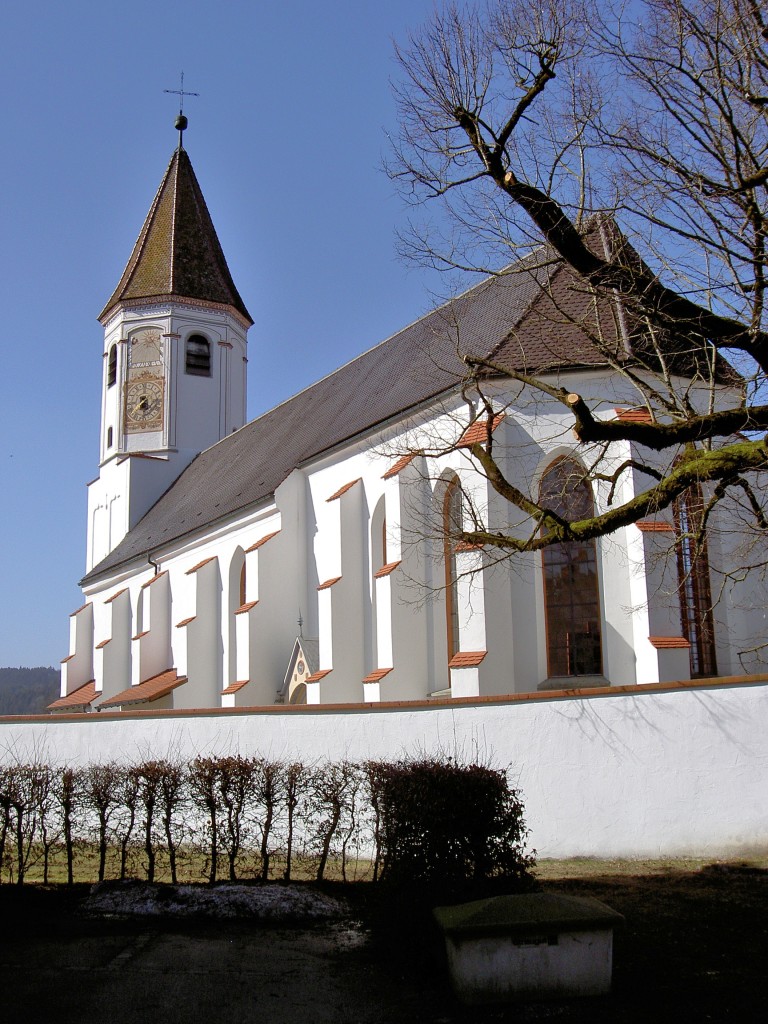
174 213
557 267
133 260
486 282
412 366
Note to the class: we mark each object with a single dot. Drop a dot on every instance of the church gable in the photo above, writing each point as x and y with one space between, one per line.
303 663
342 505
419 364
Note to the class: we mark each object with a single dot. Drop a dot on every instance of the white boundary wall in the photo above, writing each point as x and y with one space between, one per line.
636 771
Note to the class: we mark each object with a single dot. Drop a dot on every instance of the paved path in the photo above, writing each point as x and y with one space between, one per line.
128 972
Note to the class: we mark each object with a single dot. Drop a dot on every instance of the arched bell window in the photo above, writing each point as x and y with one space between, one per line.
571 593
453 516
694 586
197 356
112 366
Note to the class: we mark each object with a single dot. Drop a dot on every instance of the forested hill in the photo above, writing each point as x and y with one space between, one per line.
27 691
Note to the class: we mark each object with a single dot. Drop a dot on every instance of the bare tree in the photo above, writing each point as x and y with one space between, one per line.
297 781
238 781
270 791
101 795
206 796
615 155
128 786
172 799
47 806
66 793
150 776
334 787
19 803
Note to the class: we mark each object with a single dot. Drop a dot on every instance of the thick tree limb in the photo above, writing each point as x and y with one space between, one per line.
701 467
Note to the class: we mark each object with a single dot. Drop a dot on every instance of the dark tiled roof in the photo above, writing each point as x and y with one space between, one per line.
178 253
310 648
415 365
527 318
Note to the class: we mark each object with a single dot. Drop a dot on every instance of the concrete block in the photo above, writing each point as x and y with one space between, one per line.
529 947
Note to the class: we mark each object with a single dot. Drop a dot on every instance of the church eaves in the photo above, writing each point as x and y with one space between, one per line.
177 254
535 317
415 366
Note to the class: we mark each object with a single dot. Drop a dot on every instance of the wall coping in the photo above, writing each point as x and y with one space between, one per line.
440 703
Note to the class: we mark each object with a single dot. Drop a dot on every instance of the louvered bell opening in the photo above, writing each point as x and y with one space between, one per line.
198 356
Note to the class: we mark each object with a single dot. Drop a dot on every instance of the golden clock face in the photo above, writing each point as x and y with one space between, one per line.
143 405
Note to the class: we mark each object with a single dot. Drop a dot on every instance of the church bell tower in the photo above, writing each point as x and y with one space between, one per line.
174 377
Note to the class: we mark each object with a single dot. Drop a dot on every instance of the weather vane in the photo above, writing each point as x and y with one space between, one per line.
181 121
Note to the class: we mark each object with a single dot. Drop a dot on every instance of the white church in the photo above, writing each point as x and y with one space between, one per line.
300 557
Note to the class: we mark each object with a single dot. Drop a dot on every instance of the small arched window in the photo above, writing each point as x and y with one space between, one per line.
112 366
242 585
571 597
453 521
197 356
694 586
109 437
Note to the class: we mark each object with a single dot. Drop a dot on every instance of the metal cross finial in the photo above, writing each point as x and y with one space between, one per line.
181 121
181 93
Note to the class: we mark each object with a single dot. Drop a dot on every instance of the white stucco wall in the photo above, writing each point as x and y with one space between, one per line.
638 771
328 516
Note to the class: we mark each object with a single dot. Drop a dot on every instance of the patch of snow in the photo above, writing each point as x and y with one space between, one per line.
273 903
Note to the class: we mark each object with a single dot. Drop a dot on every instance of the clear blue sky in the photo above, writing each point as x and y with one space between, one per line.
287 140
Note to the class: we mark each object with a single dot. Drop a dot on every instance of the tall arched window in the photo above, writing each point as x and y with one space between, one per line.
693 573
452 524
197 359
571 595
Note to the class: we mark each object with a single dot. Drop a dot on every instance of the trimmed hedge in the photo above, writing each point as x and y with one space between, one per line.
422 821
446 824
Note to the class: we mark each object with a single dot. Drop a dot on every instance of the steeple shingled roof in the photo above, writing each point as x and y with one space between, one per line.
177 253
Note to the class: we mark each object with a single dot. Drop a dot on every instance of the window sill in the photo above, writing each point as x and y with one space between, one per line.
572 682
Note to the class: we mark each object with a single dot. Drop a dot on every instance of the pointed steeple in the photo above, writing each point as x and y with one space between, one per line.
177 253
